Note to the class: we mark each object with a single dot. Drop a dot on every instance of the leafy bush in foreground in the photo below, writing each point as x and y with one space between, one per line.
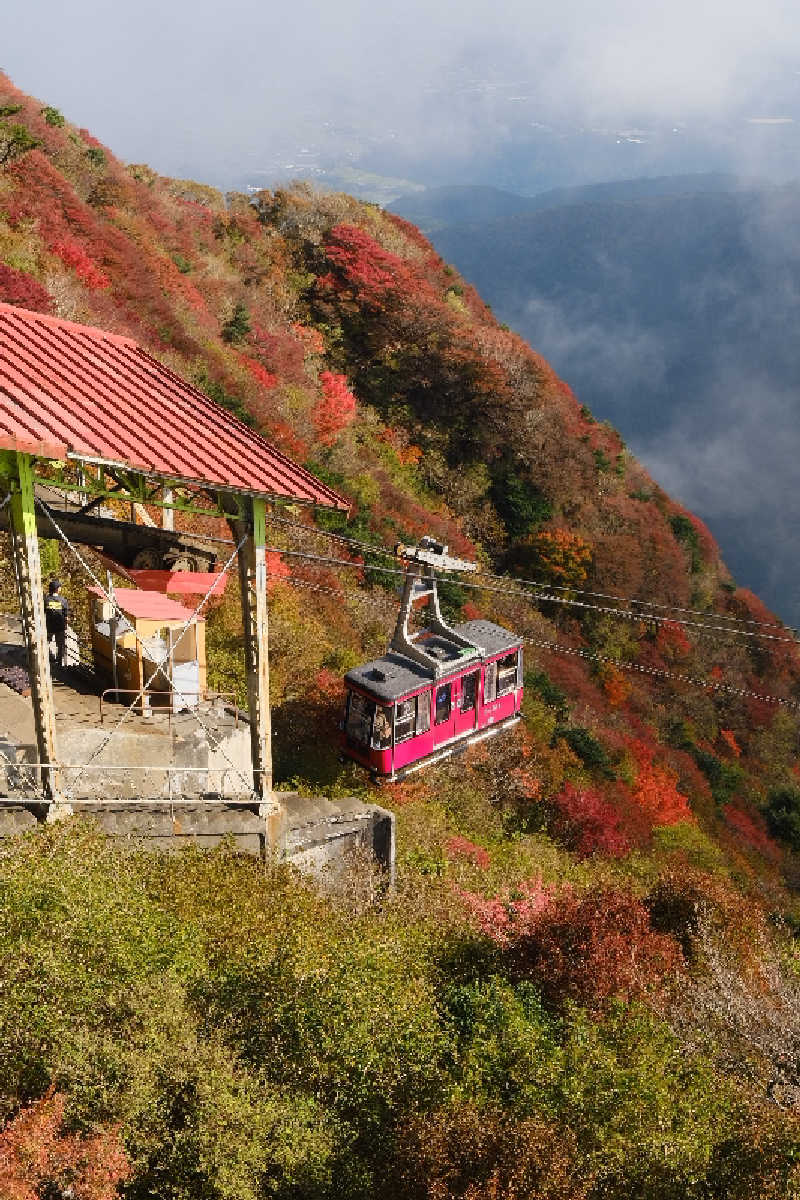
251 1038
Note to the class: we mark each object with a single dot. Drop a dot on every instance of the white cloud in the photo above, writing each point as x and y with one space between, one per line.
180 80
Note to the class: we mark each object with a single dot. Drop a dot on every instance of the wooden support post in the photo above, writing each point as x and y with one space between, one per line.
28 572
253 585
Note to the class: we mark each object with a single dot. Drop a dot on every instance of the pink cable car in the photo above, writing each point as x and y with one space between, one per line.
433 691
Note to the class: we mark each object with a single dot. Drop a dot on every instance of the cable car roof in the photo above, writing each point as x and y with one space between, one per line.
75 391
394 676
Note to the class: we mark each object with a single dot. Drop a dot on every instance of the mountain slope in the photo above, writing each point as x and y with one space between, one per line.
586 984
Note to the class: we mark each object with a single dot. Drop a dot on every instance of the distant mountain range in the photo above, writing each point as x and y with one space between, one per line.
672 307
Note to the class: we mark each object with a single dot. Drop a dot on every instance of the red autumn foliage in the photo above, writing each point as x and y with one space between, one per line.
656 791
336 410
729 738
259 373
505 918
330 685
591 948
364 270
657 794
282 352
408 792
709 550
752 829
277 569
312 339
588 823
672 642
38 1158
16 287
73 255
760 713
461 847
616 687
572 676
588 948
689 778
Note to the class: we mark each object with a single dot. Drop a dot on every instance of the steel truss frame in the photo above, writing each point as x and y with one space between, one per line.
246 517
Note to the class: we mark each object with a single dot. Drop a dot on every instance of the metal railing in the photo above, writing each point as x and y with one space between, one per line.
228 698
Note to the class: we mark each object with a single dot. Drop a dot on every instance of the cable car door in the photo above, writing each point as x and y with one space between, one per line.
465 704
443 713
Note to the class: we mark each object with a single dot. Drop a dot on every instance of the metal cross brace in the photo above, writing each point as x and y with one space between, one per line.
160 666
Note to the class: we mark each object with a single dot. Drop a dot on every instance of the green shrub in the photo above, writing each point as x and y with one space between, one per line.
53 117
521 505
782 812
237 327
549 691
15 141
684 532
583 743
724 778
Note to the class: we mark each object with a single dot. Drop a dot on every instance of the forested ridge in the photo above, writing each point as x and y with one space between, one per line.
587 981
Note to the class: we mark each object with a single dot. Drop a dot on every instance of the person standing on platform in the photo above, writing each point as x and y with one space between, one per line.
56 611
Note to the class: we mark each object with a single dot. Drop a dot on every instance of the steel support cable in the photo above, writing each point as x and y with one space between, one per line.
383 551
553 587
692 680
160 666
547 596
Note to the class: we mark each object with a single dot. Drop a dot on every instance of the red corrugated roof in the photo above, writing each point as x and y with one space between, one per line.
186 583
150 606
68 389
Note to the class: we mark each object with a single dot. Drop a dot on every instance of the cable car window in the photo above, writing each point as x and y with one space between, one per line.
405 716
358 724
507 674
490 683
443 703
520 668
469 691
382 728
423 712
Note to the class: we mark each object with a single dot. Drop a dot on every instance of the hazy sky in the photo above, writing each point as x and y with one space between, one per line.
209 85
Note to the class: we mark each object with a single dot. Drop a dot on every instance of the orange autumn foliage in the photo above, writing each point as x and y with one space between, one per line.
39 1158
655 790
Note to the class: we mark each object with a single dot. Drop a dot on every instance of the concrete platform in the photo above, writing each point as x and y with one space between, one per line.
318 833
163 784
163 754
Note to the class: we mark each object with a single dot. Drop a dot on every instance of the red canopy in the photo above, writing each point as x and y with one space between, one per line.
74 390
188 583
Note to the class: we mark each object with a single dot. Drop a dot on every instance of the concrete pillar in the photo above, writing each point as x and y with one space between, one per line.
28 572
168 514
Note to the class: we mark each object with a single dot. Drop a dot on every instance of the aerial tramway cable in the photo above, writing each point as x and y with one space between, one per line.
621 664
546 596
385 552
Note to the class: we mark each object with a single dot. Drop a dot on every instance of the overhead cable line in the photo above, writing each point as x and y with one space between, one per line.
621 664
705 685
546 596
384 551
